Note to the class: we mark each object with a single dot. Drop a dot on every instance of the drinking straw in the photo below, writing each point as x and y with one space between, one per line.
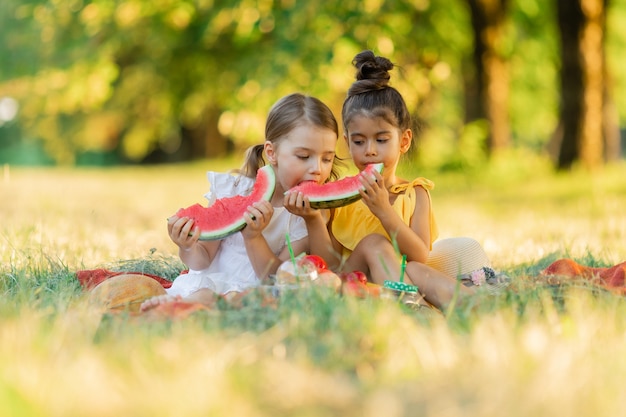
293 258
403 267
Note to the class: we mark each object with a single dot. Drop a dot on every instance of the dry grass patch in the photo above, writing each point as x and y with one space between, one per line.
535 349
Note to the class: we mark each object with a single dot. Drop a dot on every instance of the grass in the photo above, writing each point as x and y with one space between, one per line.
533 350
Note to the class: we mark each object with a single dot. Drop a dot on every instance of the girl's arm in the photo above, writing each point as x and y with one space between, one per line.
263 260
413 240
322 243
194 253
318 229
200 255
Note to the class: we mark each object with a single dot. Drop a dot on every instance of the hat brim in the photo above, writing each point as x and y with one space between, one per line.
457 256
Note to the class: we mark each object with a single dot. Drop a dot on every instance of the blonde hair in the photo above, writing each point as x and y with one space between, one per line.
285 115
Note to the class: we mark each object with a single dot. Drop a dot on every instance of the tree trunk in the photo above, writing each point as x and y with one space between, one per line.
492 73
205 139
196 142
612 135
583 98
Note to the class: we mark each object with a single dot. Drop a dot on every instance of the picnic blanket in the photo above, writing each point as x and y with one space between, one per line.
610 278
90 278
560 271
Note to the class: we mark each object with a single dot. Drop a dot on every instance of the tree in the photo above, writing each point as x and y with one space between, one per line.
585 131
491 79
132 77
179 79
140 78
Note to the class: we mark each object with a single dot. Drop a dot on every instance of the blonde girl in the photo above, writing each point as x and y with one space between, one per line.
300 139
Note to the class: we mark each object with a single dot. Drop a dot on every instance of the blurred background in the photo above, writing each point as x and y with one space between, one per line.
111 82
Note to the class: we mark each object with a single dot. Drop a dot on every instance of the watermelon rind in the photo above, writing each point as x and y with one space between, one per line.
238 222
338 200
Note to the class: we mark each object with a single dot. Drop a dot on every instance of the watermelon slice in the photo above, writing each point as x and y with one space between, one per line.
226 215
336 193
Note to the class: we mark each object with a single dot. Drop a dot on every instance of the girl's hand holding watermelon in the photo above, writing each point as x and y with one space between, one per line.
182 232
375 195
258 217
296 203
315 219
194 253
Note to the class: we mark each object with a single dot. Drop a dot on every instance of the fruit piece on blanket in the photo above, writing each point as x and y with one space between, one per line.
89 278
612 278
124 292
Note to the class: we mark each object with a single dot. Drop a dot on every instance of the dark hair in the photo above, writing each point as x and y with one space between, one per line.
372 95
285 115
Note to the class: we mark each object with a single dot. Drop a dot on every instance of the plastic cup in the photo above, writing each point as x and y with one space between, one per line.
401 292
295 275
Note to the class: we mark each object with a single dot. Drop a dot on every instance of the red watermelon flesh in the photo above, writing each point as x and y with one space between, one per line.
336 193
226 215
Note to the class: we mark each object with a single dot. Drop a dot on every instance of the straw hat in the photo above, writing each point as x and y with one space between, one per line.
457 256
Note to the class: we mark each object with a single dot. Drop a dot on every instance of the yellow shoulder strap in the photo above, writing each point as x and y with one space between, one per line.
421 181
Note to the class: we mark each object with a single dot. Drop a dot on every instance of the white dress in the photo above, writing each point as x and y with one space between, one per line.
231 269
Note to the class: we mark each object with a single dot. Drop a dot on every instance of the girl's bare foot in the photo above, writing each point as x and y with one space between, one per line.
153 302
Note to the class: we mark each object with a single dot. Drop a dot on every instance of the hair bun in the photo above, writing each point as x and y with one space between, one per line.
372 95
372 72
371 67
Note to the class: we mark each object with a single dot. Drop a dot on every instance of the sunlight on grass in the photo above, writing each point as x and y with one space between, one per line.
544 363
533 350
521 220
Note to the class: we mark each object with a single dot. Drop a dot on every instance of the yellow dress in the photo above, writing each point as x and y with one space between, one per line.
353 222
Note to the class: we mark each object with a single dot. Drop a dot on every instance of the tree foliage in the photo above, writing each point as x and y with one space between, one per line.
181 79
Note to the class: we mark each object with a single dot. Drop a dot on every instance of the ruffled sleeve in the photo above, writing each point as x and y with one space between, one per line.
227 185
421 181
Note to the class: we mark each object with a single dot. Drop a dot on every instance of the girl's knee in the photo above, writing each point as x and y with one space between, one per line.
376 242
374 238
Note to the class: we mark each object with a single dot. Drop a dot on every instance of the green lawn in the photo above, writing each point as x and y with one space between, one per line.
533 350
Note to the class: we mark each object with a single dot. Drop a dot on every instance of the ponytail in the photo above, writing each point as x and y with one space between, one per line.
253 160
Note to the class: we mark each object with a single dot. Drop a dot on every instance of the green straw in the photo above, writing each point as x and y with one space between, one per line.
403 267
293 258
